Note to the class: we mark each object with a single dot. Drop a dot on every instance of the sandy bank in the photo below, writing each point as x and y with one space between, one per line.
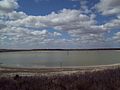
12 71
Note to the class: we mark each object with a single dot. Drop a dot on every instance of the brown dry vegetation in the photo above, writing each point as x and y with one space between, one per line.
98 80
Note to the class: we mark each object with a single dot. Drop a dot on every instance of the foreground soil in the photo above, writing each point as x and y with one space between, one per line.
104 79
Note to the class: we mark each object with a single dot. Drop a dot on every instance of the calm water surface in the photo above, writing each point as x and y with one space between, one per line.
59 58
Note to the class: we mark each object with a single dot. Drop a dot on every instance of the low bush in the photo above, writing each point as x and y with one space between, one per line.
97 80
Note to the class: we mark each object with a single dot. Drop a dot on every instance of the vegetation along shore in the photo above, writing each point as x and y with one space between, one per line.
89 78
93 49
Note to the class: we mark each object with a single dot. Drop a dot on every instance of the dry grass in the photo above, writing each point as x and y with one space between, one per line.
108 79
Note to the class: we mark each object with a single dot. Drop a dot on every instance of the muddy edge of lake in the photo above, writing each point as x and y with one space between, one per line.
12 71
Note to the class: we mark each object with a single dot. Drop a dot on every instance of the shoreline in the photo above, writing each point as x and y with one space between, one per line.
63 67
12 71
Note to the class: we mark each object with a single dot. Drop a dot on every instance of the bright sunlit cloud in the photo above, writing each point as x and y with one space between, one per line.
59 23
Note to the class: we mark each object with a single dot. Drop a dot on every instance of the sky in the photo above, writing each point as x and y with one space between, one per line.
51 24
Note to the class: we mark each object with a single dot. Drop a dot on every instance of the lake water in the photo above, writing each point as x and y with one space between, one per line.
38 59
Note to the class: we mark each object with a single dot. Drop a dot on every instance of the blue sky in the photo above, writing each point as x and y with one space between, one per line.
44 7
59 23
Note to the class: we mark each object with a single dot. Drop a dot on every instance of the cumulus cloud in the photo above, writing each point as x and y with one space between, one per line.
8 6
73 20
118 16
16 15
50 20
71 28
116 37
57 34
21 36
113 24
83 6
2 26
108 7
77 25
17 37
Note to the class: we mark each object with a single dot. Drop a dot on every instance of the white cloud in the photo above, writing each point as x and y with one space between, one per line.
118 16
113 24
21 36
78 26
2 25
108 7
116 37
65 20
16 15
57 34
17 37
8 6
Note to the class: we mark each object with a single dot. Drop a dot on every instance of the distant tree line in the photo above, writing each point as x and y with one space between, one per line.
91 49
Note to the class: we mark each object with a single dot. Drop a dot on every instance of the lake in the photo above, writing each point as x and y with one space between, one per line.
42 59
